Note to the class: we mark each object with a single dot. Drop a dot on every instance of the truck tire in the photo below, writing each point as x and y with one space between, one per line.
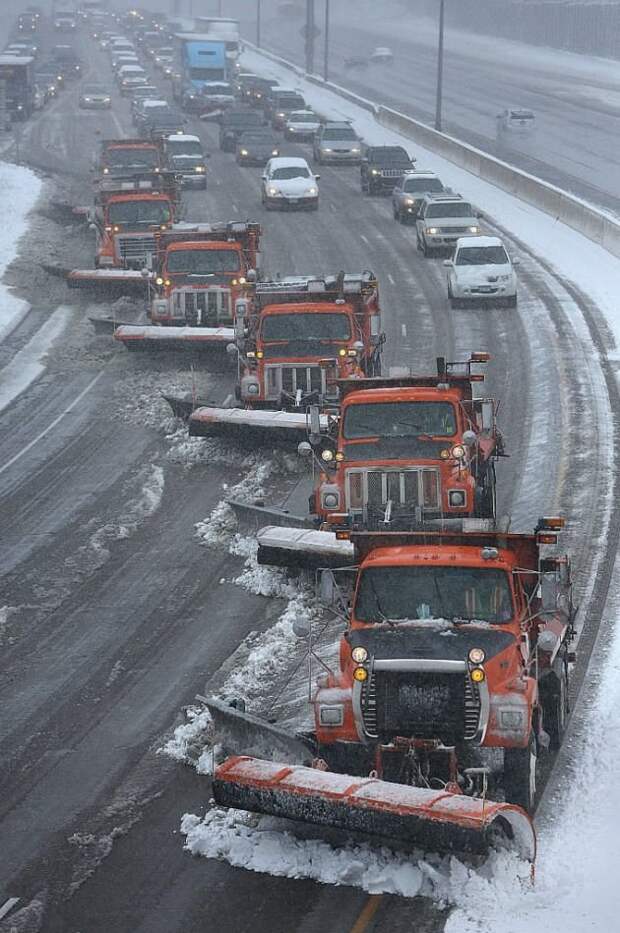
520 774
556 706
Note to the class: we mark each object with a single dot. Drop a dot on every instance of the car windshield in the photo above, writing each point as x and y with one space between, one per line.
418 185
400 419
132 158
306 328
290 171
451 593
452 209
202 261
521 115
140 212
289 103
344 133
303 118
185 147
481 256
253 138
389 154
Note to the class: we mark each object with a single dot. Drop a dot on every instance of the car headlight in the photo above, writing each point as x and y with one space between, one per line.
409 202
313 192
325 149
505 278
355 150
374 171
200 168
473 229
275 152
432 231
273 192
86 100
281 115
359 654
244 152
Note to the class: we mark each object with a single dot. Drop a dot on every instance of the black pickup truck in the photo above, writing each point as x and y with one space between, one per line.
234 123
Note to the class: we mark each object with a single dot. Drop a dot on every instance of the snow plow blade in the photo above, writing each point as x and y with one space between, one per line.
246 424
113 280
235 730
152 337
434 820
306 549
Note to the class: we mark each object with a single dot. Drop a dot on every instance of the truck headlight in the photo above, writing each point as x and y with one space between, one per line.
200 168
476 655
432 231
374 171
458 452
473 229
359 654
244 152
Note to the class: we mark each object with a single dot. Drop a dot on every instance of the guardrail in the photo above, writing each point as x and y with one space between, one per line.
592 223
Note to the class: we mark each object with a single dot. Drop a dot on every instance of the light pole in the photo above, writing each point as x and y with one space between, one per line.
310 28
326 47
438 101
258 2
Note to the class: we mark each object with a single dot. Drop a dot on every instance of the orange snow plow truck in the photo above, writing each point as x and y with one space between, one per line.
297 339
407 450
201 273
452 678
130 212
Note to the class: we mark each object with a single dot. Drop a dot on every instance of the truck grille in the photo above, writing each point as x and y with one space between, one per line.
290 379
418 705
209 307
135 248
373 489
392 172
453 231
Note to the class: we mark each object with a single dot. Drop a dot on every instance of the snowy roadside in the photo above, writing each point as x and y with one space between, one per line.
21 189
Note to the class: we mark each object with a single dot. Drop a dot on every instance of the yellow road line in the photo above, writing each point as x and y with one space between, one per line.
369 910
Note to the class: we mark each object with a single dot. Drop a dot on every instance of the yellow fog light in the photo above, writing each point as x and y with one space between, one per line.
339 456
342 351
477 675
359 654
360 674
259 354
445 454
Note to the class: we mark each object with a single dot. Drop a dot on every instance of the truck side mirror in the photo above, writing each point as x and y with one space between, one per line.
469 438
231 349
304 449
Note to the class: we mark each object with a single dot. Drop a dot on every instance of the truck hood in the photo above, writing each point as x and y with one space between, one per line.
431 639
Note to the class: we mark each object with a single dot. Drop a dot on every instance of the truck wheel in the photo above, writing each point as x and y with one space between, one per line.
520 774
556 707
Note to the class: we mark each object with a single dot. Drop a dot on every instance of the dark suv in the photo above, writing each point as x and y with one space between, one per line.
235 123
381 168
280 103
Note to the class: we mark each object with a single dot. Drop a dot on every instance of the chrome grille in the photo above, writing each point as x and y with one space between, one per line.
291 379
135 248
373 489
419 705
208 307
369 705
472 708
392 172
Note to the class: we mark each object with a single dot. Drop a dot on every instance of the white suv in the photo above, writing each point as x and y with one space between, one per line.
441 220
481 271
289 182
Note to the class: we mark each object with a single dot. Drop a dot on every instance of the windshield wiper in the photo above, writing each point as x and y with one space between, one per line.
382 614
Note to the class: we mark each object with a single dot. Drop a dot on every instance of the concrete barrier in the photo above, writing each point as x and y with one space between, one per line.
594 224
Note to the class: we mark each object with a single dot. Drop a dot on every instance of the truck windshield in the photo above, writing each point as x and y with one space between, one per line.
400 419
140 212
481 256
202 261
311 328
132 158
451 593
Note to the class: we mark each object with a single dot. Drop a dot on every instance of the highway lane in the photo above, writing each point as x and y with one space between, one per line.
130 642
576 141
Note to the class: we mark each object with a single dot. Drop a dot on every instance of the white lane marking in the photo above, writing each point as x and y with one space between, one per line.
8 906
365 239
403 330
228 400
235 208
52 424
117 123
28 364
391 278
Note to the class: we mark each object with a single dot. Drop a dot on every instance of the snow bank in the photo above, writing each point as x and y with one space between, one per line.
147 497
28 364
20 188
575 258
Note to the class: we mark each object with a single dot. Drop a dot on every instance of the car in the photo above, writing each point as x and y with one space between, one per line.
143 108
186 156
242 83
143 92
234 123
409 192
124 58
337 142
481 271
256 147
163 57
260 89
382 166
130 76
301 124
95 97
516 121
382 54
211 101
280 102
289 182
27 49
67 62
441 220
162 123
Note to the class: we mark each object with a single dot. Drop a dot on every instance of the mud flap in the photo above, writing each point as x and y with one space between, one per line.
434 820
302 548
152 337
253 426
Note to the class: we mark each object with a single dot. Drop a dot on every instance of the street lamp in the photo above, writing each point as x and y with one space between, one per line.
258 11
326 46
438 100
